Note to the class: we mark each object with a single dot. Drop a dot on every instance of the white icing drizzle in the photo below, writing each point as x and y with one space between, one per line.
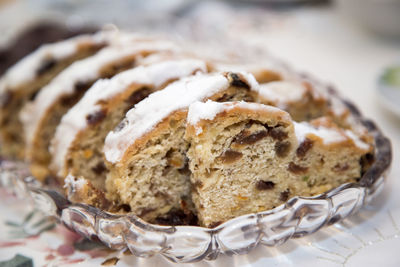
152 110
251 81
79 72
357 141
282 92
328 135
25 70
207 111
75 120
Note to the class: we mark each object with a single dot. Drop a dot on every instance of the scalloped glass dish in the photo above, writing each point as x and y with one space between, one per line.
299 216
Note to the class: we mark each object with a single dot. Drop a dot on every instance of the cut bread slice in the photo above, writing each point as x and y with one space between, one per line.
302 97
41 116
146 153
21 83
248 157
77 147
328 156
238 154
306 99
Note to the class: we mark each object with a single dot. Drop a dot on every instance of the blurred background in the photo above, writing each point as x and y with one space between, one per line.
354 44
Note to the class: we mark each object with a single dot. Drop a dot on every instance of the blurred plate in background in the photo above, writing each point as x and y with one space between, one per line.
389 89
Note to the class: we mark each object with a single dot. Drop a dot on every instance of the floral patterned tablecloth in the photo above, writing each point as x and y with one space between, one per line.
28 237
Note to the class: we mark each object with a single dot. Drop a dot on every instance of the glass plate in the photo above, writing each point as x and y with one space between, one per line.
299 216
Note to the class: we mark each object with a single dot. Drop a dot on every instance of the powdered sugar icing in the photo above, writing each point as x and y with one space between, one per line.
208 110
25 70
282 92
149 112
75 120
328 135
81 71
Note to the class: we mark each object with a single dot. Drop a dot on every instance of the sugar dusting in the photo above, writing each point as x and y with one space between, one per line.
152 110
82 71
26 69
154 75
282 92
356 139
328 135
209 110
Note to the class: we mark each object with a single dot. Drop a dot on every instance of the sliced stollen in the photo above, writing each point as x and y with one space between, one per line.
146 153
77 147
237 157
280 86
22 82
306 99
41 116
327 156
247 157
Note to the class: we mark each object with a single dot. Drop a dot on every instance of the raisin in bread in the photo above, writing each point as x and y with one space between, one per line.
77 147
146 153
248 157
327 155
282 87
236 148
